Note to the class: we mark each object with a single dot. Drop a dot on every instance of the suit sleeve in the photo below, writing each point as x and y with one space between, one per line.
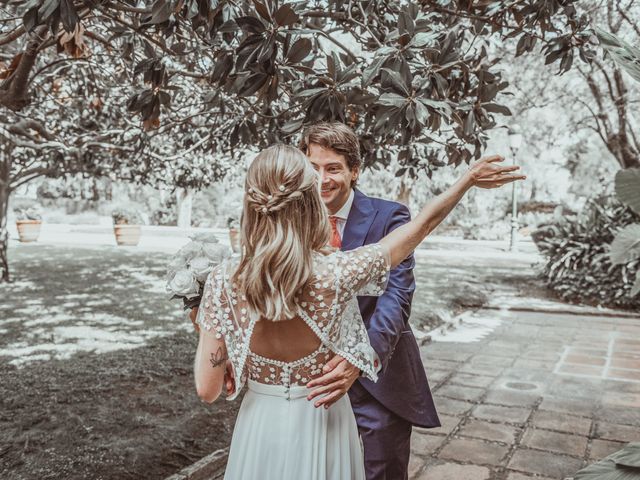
394 306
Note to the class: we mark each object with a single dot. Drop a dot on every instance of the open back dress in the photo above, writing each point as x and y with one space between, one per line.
279 434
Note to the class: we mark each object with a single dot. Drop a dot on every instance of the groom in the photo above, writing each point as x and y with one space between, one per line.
385 411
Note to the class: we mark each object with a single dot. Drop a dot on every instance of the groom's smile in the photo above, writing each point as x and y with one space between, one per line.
336 178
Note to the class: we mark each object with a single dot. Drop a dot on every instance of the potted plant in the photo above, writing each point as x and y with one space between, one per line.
233 224
126 226
28 221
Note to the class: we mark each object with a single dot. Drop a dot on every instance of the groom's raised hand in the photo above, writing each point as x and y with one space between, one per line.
338 377
487 173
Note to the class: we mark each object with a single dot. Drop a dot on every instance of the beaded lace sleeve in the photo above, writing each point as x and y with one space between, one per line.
330 307
219 315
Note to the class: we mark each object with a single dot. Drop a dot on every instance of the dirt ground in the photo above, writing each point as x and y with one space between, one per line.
130 414
123 405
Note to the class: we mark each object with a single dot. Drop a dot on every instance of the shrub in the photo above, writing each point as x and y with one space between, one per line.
165 213
578 266
30 213
126 217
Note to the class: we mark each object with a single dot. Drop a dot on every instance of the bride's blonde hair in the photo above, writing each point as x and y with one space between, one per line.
283 222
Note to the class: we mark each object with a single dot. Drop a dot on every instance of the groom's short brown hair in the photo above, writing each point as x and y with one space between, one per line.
335 136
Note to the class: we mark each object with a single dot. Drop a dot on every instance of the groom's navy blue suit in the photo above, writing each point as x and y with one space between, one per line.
386 410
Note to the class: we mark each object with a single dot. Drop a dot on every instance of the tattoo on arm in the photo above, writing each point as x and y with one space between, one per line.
219 358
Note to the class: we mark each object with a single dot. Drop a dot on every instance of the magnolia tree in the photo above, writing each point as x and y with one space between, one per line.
160 91
74 126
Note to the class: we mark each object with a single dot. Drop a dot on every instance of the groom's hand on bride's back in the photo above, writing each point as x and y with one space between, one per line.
338 376
229 379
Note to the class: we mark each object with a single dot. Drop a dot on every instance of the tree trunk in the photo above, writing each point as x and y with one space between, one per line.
14 92
404 194
185 203
5 167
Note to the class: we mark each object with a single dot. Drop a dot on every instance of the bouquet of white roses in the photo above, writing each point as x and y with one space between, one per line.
188 271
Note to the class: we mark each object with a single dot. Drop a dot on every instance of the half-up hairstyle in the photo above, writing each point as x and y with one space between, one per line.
283 222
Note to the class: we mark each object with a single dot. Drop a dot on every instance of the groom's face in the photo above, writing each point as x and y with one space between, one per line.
336 178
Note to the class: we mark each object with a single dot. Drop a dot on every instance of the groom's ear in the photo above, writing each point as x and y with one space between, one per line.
355 173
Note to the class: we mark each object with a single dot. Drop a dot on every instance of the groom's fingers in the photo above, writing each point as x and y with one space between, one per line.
333 363
328 384
329 399
322 390
325 379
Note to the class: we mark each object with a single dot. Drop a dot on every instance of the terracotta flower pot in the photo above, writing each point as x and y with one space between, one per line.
127 235
29 230
234 239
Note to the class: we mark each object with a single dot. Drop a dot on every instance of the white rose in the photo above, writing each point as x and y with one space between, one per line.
189 251
200 268
183 284
176 264
215 252
204 237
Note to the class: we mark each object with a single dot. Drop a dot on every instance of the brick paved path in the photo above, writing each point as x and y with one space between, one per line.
539 397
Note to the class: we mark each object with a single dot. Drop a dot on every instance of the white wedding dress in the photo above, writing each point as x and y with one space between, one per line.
279 434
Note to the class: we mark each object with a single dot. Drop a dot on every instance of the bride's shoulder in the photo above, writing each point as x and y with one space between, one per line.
223 272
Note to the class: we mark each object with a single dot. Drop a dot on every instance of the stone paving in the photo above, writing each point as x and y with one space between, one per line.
541 396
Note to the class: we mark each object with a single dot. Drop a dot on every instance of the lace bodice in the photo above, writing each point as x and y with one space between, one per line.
327 305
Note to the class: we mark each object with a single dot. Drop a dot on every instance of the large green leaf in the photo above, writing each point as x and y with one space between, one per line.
625 55
626 246
635 290
611 469
628 187
629 456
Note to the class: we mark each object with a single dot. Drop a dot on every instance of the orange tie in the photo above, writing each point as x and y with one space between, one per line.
336 241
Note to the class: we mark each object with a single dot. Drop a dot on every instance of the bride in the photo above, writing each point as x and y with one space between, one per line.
286 306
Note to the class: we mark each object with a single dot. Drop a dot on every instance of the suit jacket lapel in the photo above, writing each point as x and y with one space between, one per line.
359 221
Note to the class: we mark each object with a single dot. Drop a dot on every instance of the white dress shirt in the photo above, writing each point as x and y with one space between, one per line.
342 214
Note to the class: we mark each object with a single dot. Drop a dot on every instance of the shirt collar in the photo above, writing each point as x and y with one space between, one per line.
343 213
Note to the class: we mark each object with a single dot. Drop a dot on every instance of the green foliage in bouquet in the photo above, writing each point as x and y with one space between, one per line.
123 216
579 267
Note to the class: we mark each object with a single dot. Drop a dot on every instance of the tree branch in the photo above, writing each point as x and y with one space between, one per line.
333 40
35 145
126 8
631 23
12 35
29 176
595 117
606 77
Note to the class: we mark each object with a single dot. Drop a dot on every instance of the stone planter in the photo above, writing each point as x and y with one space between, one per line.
234 239
28 230
127 235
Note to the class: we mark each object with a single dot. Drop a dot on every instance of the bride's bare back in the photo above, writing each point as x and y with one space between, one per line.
285 341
